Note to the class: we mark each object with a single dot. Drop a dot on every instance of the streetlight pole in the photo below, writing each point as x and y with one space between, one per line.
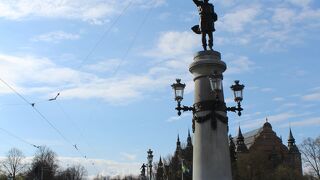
211 156
150 159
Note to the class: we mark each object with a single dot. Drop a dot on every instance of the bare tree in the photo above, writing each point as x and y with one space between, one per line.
13 164
76 172
44 165
310 150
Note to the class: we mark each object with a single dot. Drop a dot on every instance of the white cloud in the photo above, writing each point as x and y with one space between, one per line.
240 65
226 2
128 156
271 26
173 49
177 118
30 70
301 3
278 99
272 119
313 96
284 15
56 36
305 122
103 167
238 19
48 77
267 90
104 66
174 44
94 11
28 74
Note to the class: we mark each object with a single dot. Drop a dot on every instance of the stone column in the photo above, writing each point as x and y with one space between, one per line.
211 156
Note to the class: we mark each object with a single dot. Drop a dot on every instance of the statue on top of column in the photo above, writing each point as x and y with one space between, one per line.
207 19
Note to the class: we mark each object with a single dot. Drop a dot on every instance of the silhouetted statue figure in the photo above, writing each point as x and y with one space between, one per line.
207 19
143 171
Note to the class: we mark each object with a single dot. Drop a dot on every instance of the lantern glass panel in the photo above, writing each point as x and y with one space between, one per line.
179 93
238 96
238 91
178 88
215 83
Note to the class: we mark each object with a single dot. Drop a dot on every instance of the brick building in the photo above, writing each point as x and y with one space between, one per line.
265 142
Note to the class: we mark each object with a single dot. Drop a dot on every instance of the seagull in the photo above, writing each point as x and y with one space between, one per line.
55 98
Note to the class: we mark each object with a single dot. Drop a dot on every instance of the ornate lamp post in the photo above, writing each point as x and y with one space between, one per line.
150 159
215 87
211 156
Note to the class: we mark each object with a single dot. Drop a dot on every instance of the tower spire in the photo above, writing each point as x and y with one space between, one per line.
240 136
160 170
178 148
241 146
292 143
160 162
189 139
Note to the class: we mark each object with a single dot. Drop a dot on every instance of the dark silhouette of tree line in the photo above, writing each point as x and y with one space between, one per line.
44 166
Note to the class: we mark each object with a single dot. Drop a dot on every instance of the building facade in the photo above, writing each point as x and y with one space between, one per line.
255 155
262 152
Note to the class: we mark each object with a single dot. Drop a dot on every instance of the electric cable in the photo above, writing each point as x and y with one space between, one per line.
82 62
18 138
37 111
133 41
79 130
44 118
107 31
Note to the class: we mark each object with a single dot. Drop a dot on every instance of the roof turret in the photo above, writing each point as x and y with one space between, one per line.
267 125
241 147
292 143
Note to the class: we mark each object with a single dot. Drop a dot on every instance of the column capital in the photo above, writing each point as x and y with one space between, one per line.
206 63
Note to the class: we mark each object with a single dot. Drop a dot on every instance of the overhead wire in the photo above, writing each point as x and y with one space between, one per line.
36 110
44 118
107 31
120 63
18 138
77 127
33 104
133 41
104 34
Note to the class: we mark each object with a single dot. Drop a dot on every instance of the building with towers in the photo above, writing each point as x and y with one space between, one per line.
262 151
257 154
180 164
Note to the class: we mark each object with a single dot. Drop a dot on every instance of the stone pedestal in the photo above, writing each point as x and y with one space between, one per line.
211 156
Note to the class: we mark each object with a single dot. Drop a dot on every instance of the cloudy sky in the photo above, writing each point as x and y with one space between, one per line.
113 63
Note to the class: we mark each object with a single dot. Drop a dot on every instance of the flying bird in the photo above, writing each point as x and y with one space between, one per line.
55 98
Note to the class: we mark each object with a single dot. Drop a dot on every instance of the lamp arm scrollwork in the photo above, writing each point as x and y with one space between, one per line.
180 108
235 109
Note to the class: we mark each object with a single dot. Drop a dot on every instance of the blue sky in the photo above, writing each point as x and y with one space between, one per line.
114 61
